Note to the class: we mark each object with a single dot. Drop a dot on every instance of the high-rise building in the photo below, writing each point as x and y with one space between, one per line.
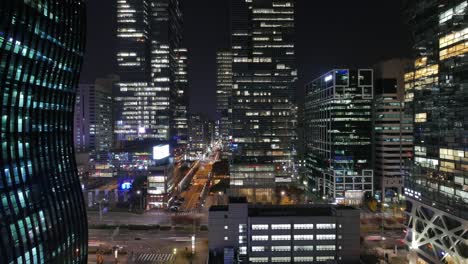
93 131
199 135
338 135
42 214
436 96
181 111
149 37
283 233
224 94
392 139
264 79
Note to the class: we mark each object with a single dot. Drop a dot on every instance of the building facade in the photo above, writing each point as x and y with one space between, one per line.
392 140
264 80
149 41
338 134
42 212
182 85
283 234
224 95
436 186
94 118
199 135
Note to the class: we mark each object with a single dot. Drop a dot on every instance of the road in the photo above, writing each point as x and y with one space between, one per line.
149 246
124 218
191 197
199 180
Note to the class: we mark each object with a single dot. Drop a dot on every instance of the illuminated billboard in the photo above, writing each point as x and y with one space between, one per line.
161 152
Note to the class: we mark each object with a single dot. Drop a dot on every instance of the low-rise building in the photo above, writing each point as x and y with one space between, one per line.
285 233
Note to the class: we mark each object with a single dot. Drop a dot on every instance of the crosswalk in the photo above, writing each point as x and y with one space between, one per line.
188 212
180 213
152 258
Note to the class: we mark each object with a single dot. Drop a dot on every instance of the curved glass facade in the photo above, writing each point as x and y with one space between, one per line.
42 214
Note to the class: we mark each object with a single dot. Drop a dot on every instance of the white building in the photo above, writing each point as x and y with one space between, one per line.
284 234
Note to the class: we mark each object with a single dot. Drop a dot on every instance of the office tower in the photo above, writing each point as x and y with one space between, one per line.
284 233
199 135
224 94
392 129
181 112
93 131
148 33
392 139
338 135
43 219
436 95
264 79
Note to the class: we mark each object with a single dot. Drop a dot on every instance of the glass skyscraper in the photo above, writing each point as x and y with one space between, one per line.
149 41
181 111
224 94
42 214
338 111
264 80
436 96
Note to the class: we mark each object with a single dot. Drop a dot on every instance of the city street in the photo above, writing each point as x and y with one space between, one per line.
200 179
148 246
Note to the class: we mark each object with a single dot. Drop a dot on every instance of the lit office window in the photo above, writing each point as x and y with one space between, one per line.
259 227
326 226
326 237
303 237
280 237
304 248
259 238
325 258
281 227
243 250
326 247
280 259
281 248
303 259
258 259
303 226
258 249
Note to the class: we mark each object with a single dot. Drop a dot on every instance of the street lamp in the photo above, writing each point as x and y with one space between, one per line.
138 192
100 208
193 244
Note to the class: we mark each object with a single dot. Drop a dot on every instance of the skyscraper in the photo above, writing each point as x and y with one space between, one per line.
199 135
93 131
149 35
436 96
392 139
338 134
42 214
264 79
181 83
392 129
224 94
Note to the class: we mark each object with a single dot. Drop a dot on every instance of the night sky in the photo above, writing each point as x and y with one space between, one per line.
329 34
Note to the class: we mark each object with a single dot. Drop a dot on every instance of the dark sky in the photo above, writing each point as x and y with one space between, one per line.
329 34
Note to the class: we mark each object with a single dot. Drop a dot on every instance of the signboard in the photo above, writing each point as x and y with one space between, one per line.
161 152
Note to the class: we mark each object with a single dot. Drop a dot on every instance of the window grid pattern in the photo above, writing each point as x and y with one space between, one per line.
43 219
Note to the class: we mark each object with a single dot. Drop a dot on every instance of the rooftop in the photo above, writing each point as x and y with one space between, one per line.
285 210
